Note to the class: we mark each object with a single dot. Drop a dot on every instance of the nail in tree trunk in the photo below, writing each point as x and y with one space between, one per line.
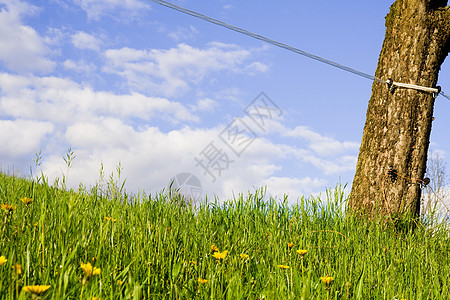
398 124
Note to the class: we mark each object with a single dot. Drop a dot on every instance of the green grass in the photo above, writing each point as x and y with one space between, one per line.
157 248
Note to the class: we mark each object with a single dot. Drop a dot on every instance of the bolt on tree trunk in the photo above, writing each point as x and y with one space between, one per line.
398 123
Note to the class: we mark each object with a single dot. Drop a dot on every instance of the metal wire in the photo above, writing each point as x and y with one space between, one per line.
296 50
445 95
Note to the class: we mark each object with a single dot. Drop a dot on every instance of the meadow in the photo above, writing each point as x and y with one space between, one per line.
101 243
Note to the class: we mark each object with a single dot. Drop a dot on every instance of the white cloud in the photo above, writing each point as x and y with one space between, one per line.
228 7
20 137
327 154
100 126
54 37
150 157
171 72
105 133
336 165
84 40
23 49
183 33
321 144
293 187
256 67
80 66
232 95
98 8
63 101
205 104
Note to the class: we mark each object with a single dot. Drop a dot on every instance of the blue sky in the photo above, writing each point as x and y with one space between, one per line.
165 93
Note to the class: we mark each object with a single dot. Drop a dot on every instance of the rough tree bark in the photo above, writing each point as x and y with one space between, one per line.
398 123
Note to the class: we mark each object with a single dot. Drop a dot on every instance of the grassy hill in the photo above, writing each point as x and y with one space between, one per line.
101 243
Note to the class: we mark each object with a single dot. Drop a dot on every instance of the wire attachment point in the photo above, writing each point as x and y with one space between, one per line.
435 94
392 173
390 85
425 182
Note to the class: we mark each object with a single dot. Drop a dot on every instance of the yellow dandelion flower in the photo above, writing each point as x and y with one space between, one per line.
302 252
193 262
283 267
36 289
7 207
17 269
119 282
3 260
244 256
202 281
327 280
110 219
290 245
89 270
214 248
220 255
26 200
95 298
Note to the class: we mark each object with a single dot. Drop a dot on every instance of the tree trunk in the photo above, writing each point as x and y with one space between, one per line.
393 153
